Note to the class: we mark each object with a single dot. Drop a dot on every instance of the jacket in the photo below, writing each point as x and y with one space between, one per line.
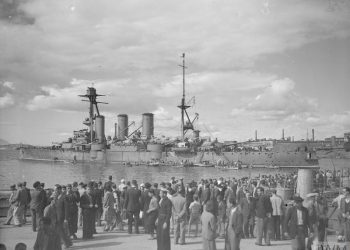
132 200
291 221
38 199
208 226
179 207
235 223
263 206
62 208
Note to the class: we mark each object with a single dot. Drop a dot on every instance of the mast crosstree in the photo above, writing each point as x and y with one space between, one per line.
188 125
92 99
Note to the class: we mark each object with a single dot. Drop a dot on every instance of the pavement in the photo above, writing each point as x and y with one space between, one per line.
10 236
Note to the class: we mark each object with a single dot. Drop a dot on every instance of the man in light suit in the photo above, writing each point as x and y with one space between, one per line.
297 224
179 215
208 227
234 230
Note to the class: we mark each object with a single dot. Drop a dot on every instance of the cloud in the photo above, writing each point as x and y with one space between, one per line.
9 85
278 101
128 39
122 96
342 119
6 101
12 12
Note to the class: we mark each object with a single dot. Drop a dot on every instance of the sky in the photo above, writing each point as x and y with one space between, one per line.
262 65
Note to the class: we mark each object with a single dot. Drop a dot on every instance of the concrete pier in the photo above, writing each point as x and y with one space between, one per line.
305 182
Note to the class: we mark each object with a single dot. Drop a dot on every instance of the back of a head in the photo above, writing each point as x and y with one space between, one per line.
21 246
2 246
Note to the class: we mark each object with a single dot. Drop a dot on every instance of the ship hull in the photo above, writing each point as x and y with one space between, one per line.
113 156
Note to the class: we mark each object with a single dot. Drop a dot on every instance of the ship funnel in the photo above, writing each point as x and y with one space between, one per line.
147 125
256 135
282 134
196 134
313 134
100 128
123 129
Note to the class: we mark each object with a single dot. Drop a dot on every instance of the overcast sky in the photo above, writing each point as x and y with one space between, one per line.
257 64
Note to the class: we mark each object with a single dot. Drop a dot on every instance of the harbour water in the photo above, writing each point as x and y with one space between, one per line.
13 170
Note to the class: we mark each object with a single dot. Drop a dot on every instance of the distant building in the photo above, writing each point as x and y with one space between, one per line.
334 141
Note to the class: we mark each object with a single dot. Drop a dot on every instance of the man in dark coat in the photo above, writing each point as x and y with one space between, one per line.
62 211
297 224
47 238
145 200
98 193
37 204
163 221
28 201
88 205
109 182
132 206
205 194
73 198
263 217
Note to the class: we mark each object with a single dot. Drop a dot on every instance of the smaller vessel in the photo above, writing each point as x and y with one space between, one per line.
206 164
153 164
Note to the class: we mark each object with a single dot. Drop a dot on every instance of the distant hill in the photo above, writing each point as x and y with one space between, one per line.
3 142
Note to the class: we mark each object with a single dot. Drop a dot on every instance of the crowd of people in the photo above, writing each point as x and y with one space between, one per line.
231 209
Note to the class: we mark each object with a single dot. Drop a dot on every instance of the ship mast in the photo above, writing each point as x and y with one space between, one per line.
189 124
92 99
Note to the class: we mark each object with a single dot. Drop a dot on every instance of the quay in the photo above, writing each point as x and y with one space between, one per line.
10 236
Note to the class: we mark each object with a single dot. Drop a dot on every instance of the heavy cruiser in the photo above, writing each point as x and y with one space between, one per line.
141 147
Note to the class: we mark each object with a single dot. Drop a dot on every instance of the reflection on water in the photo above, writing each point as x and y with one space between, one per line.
13 171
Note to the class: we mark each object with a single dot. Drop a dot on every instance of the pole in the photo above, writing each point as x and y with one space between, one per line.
183 98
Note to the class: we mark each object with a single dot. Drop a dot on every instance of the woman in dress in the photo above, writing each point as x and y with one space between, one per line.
108 208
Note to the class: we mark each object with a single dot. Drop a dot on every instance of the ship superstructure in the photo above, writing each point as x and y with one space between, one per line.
142 147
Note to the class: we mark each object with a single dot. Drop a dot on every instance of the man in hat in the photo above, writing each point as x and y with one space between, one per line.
12 207
132 206
263 217
179 215
109 182
163 221
145 200
27 203
208 227
88 205
297 224
37 204
62 211
73 198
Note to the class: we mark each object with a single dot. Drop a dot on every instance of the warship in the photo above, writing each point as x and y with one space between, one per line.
142 147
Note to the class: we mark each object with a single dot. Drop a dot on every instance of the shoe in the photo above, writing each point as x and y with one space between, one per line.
74 237
258 244
7 224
